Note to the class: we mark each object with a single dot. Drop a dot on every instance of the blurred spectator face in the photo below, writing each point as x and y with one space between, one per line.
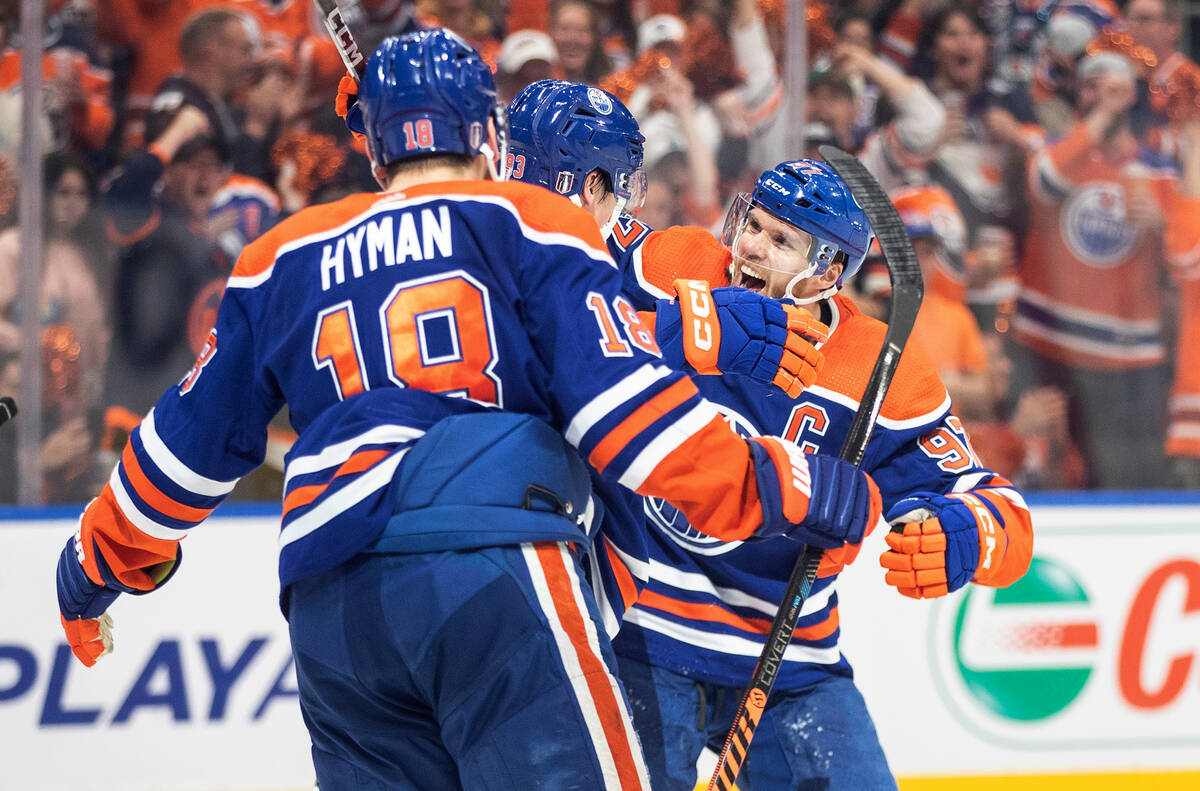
658 208
833 105
857 31
928 250
571 29
1152 25
233 49
1094 85
960 51
525 56
194 181
69 200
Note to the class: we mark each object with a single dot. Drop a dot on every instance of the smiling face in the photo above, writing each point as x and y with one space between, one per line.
768 253
571 30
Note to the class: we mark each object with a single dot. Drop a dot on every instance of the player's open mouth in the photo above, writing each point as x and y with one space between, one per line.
749 279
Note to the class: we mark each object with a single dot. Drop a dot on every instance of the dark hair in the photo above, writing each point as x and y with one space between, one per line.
59 162
922 64
846 17
203 28
598 64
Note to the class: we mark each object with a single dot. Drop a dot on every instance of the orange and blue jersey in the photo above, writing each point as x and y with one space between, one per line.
701 607
1089 294
453 297
650 261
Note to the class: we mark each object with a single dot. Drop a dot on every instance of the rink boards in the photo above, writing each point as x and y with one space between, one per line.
1086 674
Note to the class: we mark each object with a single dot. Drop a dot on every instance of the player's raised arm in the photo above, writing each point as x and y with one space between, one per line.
638 422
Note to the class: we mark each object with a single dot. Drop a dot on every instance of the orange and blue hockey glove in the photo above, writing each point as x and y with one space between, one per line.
934 544
87 586
735 331
812 498
348 109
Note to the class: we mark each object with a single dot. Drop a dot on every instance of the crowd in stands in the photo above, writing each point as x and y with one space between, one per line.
1044 156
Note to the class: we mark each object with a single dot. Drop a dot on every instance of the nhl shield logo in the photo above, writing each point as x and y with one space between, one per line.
564 182
476 134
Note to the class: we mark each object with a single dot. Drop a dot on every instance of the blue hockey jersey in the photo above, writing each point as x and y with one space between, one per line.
701 607
451 297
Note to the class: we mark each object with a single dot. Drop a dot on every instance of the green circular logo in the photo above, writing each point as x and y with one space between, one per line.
1025 652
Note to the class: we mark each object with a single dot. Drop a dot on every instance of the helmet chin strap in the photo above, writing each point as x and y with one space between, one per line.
495 170
606 228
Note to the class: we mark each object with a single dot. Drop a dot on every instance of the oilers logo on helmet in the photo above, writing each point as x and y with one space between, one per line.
567 130
599 100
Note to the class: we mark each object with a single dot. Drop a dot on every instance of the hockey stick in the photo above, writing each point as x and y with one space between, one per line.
907 290
343 39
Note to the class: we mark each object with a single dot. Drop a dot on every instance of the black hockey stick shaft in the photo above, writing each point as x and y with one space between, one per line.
343 39
907 291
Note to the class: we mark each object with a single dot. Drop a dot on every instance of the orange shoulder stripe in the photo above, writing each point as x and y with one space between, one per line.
539 208
683 251
259 255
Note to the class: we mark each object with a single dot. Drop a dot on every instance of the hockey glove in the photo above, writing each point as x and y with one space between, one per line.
732 330
935 545
86 588
812 498
347 107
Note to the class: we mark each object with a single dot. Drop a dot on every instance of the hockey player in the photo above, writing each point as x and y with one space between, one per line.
448 349
688 645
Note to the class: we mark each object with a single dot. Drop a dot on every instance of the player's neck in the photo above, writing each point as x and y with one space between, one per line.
405 179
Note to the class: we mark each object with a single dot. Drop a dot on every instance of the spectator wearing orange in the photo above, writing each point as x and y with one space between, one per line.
945 330
1028 442
140 28
1103 211
1156 25
77 94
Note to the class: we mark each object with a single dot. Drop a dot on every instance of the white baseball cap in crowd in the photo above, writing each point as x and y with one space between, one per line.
522 46
658 29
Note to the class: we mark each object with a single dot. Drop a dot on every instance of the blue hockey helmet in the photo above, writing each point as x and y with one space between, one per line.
562 131
429 92
809 195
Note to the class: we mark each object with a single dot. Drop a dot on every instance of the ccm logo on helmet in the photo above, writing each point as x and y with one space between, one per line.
776 186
